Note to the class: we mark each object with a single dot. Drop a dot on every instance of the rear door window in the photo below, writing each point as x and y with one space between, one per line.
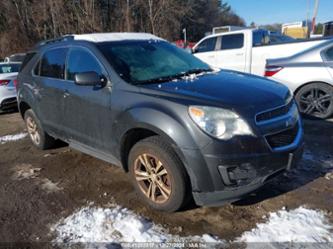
207 45
235 41
53 63
80 61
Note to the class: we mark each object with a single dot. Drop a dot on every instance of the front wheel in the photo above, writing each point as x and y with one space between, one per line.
158 175
316 100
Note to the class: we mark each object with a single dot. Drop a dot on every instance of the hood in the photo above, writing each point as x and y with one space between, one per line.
228 89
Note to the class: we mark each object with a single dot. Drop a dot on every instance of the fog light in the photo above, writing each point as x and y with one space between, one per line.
237 174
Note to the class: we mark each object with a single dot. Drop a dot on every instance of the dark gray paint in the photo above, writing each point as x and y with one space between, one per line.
95 120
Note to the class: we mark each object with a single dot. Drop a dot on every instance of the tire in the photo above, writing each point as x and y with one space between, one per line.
315 100
36 132
171 188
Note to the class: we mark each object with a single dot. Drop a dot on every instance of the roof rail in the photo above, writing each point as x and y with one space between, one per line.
60 39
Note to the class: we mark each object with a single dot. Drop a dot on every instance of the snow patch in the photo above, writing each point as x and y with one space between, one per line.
299 225
115 225
25 171
50 186
12 138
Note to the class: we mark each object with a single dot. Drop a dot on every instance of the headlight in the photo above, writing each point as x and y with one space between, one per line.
218 122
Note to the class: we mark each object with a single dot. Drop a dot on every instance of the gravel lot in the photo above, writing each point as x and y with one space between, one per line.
38 188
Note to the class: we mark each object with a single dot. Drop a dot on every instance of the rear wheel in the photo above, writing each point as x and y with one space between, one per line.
158 175
36 132
316 100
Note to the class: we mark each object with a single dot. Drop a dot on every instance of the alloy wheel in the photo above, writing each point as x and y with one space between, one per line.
152 178
315 102
33 130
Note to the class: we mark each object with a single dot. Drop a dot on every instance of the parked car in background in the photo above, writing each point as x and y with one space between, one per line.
8 76
328 29
309 75
246 50
178 127
15 58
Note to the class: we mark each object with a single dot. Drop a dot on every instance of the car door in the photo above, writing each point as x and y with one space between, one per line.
88 116
205 51
231 52
49 75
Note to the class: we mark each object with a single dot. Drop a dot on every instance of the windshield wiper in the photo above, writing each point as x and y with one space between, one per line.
173 77
197 71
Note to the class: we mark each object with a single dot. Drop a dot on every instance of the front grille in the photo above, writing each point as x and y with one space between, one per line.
283 138
280 111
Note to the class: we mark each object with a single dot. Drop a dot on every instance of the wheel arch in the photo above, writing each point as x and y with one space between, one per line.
23 107
138 133
311 82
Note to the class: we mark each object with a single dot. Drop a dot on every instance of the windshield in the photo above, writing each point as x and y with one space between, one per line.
9 68
139 62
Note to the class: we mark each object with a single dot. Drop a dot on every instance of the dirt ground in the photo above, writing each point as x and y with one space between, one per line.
37 188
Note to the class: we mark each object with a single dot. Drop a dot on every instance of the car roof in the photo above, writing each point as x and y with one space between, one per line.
105 37
98 38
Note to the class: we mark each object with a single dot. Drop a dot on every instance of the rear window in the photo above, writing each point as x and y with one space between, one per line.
9 68
329 54
232 41
260 37
53 63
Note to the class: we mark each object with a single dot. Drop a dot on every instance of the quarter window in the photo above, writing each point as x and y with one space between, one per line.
53 63
232 41
207 45
80 61
329 54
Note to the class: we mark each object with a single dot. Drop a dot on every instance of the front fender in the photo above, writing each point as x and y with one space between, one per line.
163 124
176 132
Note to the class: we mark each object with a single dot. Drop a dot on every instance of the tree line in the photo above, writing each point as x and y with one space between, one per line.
25 22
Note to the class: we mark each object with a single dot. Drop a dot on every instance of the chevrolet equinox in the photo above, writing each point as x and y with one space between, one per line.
181 129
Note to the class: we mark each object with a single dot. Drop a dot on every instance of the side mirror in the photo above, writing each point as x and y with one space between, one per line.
194 50
88 79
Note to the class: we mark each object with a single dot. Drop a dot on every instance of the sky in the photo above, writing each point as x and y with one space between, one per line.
280 11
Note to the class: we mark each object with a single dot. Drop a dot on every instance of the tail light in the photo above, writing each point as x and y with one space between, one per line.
272 70
4 82
15 82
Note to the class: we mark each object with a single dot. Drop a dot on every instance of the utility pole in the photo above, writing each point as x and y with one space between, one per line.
128 16
307 17
315 16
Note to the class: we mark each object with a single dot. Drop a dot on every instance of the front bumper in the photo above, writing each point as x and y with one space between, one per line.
264 168
246 163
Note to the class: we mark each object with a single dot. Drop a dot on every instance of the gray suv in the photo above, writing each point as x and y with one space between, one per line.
181 129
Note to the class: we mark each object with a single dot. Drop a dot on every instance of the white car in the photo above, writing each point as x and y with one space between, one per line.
8 75
309 75
247 50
